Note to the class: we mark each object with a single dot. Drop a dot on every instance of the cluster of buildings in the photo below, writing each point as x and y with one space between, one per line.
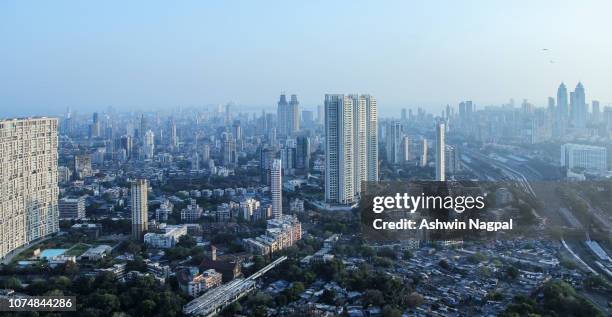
281 233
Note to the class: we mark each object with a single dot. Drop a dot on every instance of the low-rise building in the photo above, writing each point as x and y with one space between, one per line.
194 283
167 238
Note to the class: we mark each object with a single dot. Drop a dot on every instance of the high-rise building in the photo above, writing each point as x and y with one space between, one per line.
452 160
149 144
237 130
562 103
229 149
393 142
302 159
276 188
351 133
282 114
94 129
372 137
440 152
139 207
293 116
596 111
424 152
173 136
82 166
339 134
406 154
127 144
28 181
205 152
578 108
288 115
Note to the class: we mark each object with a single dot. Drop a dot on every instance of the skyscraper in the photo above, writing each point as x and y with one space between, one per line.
440 152
139 207
562 103
276 188
424 153
595 111
578 109
28 181
293 116
302 160
393 142
149 144
229 149
282 114
173 135
351 131
339 178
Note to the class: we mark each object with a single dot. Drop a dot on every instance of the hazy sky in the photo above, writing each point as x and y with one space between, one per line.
149 54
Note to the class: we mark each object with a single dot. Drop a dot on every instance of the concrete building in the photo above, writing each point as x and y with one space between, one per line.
281 233
440 152
276 188
351 146
167 238
587 157
72 208
28 181
139 207
194 283
192 212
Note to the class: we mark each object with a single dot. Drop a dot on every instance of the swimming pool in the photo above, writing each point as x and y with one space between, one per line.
49 253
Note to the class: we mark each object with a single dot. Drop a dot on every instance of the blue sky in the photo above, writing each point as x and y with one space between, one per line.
154 54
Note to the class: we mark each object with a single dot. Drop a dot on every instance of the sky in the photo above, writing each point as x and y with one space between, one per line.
141 55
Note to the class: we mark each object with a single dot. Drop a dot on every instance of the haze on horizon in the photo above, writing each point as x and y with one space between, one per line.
150 54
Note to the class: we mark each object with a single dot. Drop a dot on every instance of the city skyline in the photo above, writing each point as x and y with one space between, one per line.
87 62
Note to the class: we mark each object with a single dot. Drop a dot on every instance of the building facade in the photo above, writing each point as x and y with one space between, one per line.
28 181
139 207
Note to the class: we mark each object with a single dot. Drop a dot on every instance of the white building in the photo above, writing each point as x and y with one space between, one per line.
167 239
28 181
149 144
351 146
587 157
192 212
276 188
248 207
440 152
281 233
139 208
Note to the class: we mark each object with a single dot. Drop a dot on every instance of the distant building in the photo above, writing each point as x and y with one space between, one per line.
164 210
587 157
192 212
139 208
224 213
228 266
281 233
452 159
248 207
276 188
82 166
194 283
440 152
168 238
296 206
72 208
